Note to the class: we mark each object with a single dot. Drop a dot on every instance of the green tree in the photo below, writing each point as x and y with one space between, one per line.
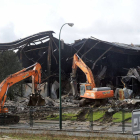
9 64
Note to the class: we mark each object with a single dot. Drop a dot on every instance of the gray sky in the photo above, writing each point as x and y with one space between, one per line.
109 20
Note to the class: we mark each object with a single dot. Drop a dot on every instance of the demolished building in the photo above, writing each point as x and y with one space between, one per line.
108 61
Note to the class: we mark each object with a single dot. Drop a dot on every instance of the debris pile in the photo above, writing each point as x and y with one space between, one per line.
20 107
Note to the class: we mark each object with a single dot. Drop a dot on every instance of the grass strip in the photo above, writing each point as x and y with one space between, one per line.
117 117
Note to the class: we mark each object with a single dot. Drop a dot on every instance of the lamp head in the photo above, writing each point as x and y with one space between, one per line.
71 24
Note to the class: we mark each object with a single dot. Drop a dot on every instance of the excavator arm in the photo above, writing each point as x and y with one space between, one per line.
78 62
15 78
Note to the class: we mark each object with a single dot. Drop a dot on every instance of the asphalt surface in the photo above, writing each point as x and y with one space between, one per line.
72 125
71 128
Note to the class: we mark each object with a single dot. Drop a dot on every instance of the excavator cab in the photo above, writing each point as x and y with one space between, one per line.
84 87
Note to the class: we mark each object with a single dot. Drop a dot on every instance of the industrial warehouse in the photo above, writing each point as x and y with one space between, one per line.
99 91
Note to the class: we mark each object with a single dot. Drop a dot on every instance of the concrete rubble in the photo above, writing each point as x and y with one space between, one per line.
20 107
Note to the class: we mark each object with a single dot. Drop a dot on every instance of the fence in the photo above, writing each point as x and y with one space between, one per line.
73 118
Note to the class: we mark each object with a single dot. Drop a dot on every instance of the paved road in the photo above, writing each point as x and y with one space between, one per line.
72 125
82 129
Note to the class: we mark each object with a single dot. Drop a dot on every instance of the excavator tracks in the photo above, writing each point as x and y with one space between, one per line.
8 119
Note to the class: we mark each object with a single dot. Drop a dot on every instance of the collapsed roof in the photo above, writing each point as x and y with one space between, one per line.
30 39
107 60
104 45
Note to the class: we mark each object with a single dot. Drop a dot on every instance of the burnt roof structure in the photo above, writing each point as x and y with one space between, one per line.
30 39
104 45
107 60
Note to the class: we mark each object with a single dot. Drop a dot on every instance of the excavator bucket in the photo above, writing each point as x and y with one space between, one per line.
36 100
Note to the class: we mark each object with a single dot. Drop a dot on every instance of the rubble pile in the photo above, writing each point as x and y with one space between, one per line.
51 109
20 107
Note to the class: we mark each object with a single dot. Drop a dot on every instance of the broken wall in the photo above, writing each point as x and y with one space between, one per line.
27 89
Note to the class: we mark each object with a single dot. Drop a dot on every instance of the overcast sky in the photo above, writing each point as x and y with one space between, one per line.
109 20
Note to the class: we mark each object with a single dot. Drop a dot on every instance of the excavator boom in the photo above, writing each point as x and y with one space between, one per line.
78 62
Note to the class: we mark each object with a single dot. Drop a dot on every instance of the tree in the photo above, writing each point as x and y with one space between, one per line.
9 64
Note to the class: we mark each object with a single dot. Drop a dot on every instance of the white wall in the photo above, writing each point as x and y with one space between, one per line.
27 90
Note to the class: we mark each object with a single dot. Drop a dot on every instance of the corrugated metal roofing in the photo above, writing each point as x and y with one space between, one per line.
104 45
20 42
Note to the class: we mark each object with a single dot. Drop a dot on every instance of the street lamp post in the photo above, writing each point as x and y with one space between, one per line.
60 108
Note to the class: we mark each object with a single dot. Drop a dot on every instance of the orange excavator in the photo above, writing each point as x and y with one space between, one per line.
35 97
88 89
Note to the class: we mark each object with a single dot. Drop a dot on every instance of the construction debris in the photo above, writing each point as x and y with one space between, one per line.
54 87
